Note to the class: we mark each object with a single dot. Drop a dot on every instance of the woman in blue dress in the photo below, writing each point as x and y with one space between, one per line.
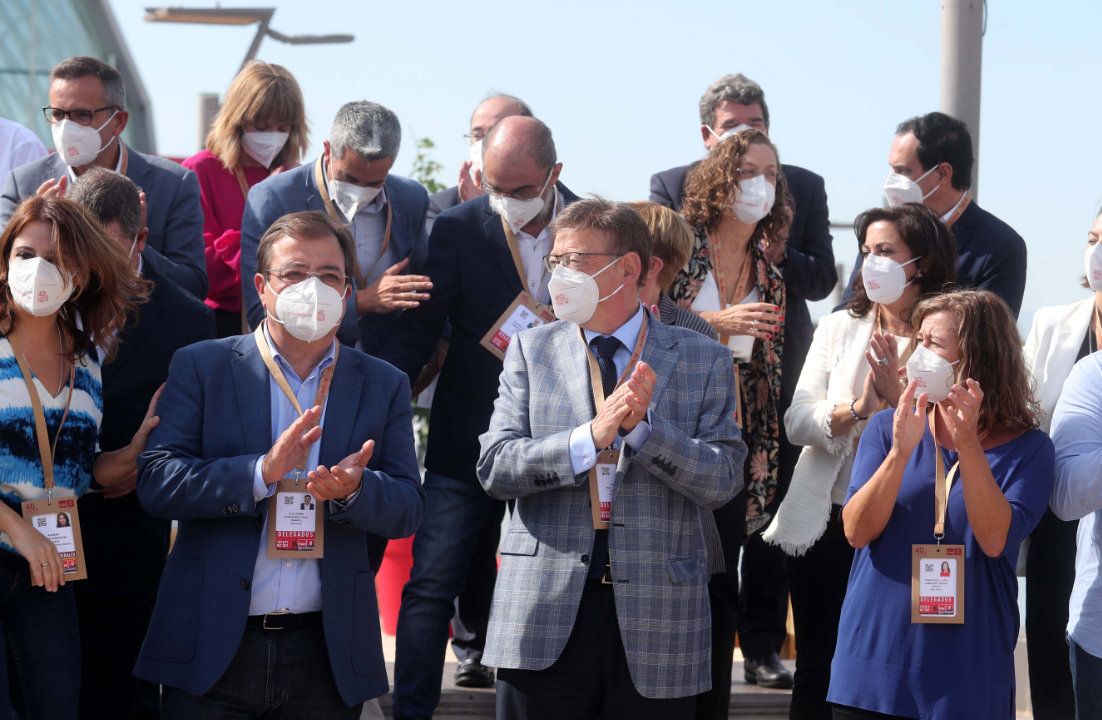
968 366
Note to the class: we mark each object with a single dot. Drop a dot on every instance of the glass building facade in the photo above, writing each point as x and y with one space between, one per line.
41 33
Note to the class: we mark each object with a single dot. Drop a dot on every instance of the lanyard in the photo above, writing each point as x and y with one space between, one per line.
514 250
965 201
46 449
334 212
281 380
942 484
595 370
727 295
239 174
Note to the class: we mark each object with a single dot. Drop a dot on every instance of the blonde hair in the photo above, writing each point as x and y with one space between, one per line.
262 93
671 239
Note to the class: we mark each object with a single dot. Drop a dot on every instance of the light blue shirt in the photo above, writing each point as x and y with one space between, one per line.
583 453
1077 493
279 584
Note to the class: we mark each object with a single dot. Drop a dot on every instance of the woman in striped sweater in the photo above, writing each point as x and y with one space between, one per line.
65 287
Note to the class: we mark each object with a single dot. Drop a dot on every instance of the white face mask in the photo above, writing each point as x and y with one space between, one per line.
519 213
574 295
350 198
79 145
729 132
900 189
37 286
263 146
755 199
934 373
1093 261
475 156
309 310
884 278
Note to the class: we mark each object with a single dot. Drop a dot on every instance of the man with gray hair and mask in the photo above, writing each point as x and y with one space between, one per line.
385 214
486 261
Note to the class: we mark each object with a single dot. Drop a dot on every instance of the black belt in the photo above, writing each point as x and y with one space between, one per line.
284 621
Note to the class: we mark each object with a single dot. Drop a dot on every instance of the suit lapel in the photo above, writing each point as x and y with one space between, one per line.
340 410
401 243
499 248
660 353
254 398
570 355
134 333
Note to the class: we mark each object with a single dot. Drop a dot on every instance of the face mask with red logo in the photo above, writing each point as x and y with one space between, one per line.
309 310
934 374
37 286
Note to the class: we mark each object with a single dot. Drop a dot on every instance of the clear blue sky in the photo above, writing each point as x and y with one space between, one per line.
618 83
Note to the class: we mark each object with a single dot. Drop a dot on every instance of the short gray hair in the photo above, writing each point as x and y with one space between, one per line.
111 197
368 129
736 88
77 67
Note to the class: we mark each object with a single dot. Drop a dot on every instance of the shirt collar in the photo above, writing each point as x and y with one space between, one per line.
286 367
946 216
627 334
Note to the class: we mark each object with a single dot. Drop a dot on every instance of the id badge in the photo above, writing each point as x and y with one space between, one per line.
295 522
523 313
59 523
602 481
937 584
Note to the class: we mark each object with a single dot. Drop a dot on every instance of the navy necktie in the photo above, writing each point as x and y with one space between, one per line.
605 348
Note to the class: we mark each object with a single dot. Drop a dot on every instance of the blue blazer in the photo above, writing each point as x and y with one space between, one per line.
296 190
175 217
198 469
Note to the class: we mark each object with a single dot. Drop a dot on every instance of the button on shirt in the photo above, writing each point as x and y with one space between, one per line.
279 584
532 252
583 453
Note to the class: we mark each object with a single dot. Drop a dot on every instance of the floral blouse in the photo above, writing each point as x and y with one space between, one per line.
759 377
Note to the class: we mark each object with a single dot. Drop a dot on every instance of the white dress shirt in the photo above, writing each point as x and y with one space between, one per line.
533 250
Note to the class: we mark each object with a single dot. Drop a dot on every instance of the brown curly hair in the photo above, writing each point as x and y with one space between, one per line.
711 188
991 354
106 291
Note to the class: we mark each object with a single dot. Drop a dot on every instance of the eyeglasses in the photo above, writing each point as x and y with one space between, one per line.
293 276
750 174
474 137
572 260
79 116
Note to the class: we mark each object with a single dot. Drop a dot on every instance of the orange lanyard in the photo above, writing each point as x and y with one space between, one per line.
964 203
595 371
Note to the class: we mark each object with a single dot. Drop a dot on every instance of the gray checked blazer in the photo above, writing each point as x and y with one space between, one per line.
693 459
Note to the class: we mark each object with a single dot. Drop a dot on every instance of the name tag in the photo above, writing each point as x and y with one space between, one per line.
937 584
522 314
59 522
295 522
602 481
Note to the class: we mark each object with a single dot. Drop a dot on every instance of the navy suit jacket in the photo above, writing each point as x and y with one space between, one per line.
990 256
198 469
174 215
474 281
125 546
809 272
296 190
439 202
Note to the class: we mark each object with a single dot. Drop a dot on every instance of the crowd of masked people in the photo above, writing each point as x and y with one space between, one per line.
206 373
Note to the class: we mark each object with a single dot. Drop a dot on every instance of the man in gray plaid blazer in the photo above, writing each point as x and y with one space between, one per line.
606 623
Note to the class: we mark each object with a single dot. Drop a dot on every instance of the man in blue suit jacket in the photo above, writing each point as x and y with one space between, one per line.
385 214
934 152
236 630
174 215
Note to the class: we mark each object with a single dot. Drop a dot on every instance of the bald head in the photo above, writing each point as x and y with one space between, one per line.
491 110
520 139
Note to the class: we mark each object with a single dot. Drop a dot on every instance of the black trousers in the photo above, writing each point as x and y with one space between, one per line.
818 580
723 596
589 680
1050 574
472 607
763 599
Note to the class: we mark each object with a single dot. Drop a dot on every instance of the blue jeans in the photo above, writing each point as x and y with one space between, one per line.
455 513
1086 679
39 645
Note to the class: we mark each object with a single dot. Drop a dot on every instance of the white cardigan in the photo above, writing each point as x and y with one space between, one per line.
1051 349
833 374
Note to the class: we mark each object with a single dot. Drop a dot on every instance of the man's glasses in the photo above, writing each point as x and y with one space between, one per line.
572 260
293 276
79 116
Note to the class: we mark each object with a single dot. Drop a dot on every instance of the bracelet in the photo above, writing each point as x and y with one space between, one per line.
853 413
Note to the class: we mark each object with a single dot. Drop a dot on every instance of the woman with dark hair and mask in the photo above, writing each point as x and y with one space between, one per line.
738 206
65 287
958 473
852 371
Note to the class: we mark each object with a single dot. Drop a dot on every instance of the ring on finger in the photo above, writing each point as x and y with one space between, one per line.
882 362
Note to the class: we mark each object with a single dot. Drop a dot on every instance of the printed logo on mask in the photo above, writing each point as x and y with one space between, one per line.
561 299
43 296
874 284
